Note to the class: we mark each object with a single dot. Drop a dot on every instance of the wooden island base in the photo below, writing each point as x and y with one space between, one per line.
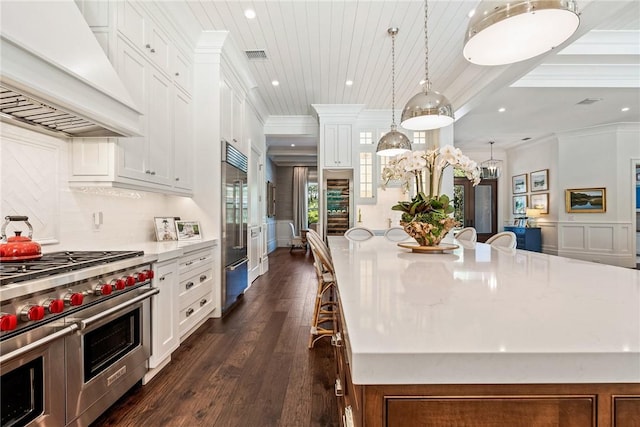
478 405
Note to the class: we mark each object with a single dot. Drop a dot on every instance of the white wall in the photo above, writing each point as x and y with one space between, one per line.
599 156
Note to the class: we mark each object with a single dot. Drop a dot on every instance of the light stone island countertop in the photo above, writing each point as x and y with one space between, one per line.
482 315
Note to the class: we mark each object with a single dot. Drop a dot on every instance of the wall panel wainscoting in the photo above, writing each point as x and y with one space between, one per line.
251 368
608 243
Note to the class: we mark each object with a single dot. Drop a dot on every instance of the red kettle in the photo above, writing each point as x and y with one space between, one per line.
18 247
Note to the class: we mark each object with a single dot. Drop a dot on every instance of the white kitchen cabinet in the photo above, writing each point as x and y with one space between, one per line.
143 34
182 142
145 158
231 113
156 74
195 290
336 146
164 313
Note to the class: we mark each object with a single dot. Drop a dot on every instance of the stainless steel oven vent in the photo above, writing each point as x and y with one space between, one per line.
21 109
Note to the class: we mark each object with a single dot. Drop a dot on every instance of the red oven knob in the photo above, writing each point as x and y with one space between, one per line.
103 289
130 280
150 274
119 284
141 277
53 305
32 312
8 322
74 299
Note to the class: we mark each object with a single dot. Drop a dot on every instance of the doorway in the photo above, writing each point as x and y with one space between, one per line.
477 206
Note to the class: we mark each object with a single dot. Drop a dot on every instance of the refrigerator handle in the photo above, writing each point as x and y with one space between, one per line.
241 228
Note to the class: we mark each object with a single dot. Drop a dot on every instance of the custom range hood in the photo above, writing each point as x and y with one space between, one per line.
55 77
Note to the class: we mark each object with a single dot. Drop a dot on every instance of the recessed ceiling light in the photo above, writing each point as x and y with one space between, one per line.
293 145
349 82
250 13
502 110
623 109
275 82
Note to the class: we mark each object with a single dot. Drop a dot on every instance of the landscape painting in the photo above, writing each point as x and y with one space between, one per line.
539 180
586 200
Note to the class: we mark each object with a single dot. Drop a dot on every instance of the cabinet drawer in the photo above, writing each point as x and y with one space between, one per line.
195 286
194 260
193 313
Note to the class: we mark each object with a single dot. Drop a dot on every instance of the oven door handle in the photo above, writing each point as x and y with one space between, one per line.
27 348
84 324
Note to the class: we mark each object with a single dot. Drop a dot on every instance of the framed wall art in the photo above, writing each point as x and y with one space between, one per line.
519 184
188 230
540 180
586 200
165 227
519 205
540 201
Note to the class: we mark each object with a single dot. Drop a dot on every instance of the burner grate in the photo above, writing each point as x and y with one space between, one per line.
58 262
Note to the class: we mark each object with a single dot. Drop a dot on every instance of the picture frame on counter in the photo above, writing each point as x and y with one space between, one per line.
188 230
520 205
540 201
519 183
539 180
165 227
586 200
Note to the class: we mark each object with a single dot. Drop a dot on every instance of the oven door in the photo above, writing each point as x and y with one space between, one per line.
32 381
107 355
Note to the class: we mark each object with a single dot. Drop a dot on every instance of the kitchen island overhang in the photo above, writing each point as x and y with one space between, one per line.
481 322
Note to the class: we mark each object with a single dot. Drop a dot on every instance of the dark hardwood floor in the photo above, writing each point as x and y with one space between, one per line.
252 368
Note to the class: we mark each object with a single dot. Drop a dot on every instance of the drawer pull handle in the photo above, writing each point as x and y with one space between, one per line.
203 258
203 302
203 277
147 46
152 50
189 263
189 285
338 388
190 312
336 340
162 278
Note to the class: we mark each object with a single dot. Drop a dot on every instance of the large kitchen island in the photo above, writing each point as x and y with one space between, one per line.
483 336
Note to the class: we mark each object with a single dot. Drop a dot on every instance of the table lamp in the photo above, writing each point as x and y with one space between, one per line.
532 214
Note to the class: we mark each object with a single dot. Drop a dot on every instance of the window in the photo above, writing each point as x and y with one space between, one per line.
366 175
312 202
420 137
366 138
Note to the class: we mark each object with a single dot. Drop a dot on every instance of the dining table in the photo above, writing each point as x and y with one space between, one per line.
476 331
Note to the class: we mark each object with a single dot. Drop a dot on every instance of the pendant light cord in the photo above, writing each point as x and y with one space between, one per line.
393 79
426 48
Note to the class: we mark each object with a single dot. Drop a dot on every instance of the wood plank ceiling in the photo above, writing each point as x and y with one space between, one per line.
313 47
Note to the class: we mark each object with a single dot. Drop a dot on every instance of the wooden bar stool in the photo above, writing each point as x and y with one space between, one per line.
324 311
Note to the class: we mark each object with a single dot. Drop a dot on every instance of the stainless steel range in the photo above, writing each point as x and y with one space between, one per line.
74 335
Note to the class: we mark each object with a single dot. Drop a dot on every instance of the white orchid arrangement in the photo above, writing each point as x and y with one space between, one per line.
412 165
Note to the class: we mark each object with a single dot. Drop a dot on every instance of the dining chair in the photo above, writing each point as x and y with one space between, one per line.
467 234
504 239
296 241
358 234
396 234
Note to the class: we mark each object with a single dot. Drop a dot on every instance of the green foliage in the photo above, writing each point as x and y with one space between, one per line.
425 209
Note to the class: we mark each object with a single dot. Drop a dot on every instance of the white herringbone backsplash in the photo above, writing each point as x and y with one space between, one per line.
34 183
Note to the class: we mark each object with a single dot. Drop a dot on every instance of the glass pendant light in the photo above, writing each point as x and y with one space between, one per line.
491 168
428 109
393 142
503 32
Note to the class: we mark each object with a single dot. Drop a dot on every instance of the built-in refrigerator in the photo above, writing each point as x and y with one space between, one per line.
235 279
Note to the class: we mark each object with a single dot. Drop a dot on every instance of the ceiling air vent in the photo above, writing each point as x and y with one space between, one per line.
255 55
588 101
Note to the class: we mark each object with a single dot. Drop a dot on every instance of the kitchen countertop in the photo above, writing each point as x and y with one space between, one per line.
485 315
163 251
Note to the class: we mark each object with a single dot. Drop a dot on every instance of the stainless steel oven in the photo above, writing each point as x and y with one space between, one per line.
107 355
74 335
32 367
